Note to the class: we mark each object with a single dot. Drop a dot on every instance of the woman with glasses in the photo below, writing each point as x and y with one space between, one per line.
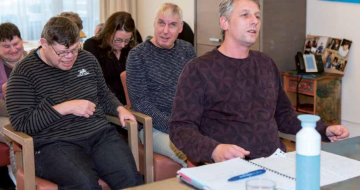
111 47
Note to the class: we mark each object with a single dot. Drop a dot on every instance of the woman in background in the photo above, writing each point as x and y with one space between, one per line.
111 48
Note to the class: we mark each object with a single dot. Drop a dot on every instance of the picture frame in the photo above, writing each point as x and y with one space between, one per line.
333 50
310 63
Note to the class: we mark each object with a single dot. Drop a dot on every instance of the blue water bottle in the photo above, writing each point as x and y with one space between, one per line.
308 142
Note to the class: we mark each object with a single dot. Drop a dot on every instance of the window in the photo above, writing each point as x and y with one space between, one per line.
31 16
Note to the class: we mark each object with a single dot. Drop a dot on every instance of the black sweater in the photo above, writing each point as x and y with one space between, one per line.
110 65
222 100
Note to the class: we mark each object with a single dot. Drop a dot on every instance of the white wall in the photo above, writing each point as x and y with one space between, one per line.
337 19
146 10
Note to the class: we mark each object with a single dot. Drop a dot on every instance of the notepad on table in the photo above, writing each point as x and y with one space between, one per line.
215 176
280 169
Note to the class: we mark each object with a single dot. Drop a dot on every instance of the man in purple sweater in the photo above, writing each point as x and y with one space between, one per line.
230 102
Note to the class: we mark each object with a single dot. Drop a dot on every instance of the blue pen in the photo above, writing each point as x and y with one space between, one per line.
247 175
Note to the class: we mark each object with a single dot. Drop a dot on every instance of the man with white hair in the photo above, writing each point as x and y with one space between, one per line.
152 71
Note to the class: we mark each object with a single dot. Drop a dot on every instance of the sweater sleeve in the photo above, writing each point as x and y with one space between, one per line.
186 117
136 81
26 115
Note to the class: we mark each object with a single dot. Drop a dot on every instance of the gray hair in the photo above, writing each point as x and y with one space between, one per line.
169 9
226 8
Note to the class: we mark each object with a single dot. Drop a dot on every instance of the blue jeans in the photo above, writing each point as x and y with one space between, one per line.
79 164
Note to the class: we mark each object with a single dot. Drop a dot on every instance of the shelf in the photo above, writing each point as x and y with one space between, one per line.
302 93
305 108
305 86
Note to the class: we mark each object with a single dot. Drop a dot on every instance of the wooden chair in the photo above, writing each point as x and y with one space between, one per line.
146 166
162 167
4 148
24 151
154 167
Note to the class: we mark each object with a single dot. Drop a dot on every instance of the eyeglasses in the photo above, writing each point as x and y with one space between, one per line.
63 54
119 40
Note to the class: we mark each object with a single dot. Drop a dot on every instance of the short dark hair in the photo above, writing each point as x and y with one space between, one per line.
61 30
117 21
8 31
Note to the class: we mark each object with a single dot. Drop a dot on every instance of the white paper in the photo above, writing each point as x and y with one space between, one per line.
281 168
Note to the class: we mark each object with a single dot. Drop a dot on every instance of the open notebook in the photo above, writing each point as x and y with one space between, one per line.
279 168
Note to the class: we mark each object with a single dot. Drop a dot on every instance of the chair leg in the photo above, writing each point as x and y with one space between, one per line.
148 158
133 137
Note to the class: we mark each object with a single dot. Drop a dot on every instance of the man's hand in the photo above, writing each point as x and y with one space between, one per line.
337 133
124 114
82 108
228 151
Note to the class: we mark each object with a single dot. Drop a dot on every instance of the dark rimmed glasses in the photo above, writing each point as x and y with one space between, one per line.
63 54
119 40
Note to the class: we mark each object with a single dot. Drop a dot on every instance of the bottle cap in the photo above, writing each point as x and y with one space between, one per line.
308 120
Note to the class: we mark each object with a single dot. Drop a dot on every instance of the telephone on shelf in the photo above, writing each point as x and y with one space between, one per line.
309 63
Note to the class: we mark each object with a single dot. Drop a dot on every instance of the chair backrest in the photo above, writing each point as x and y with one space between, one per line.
123 82
138 36
155 167
3 89
4 154
187 34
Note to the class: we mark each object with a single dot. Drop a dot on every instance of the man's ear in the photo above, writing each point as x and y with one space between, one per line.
43 43
181 25
224 23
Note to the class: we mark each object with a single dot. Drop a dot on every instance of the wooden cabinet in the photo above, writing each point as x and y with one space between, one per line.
318 94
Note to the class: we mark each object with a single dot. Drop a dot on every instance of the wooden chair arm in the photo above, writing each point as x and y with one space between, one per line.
28 162
148 144
133 136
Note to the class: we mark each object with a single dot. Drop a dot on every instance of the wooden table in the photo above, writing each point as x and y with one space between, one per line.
349 148
172 183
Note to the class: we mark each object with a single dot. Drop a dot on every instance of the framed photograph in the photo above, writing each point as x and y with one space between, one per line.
344 48
310 63
334 52
322 42
334 44
311 43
